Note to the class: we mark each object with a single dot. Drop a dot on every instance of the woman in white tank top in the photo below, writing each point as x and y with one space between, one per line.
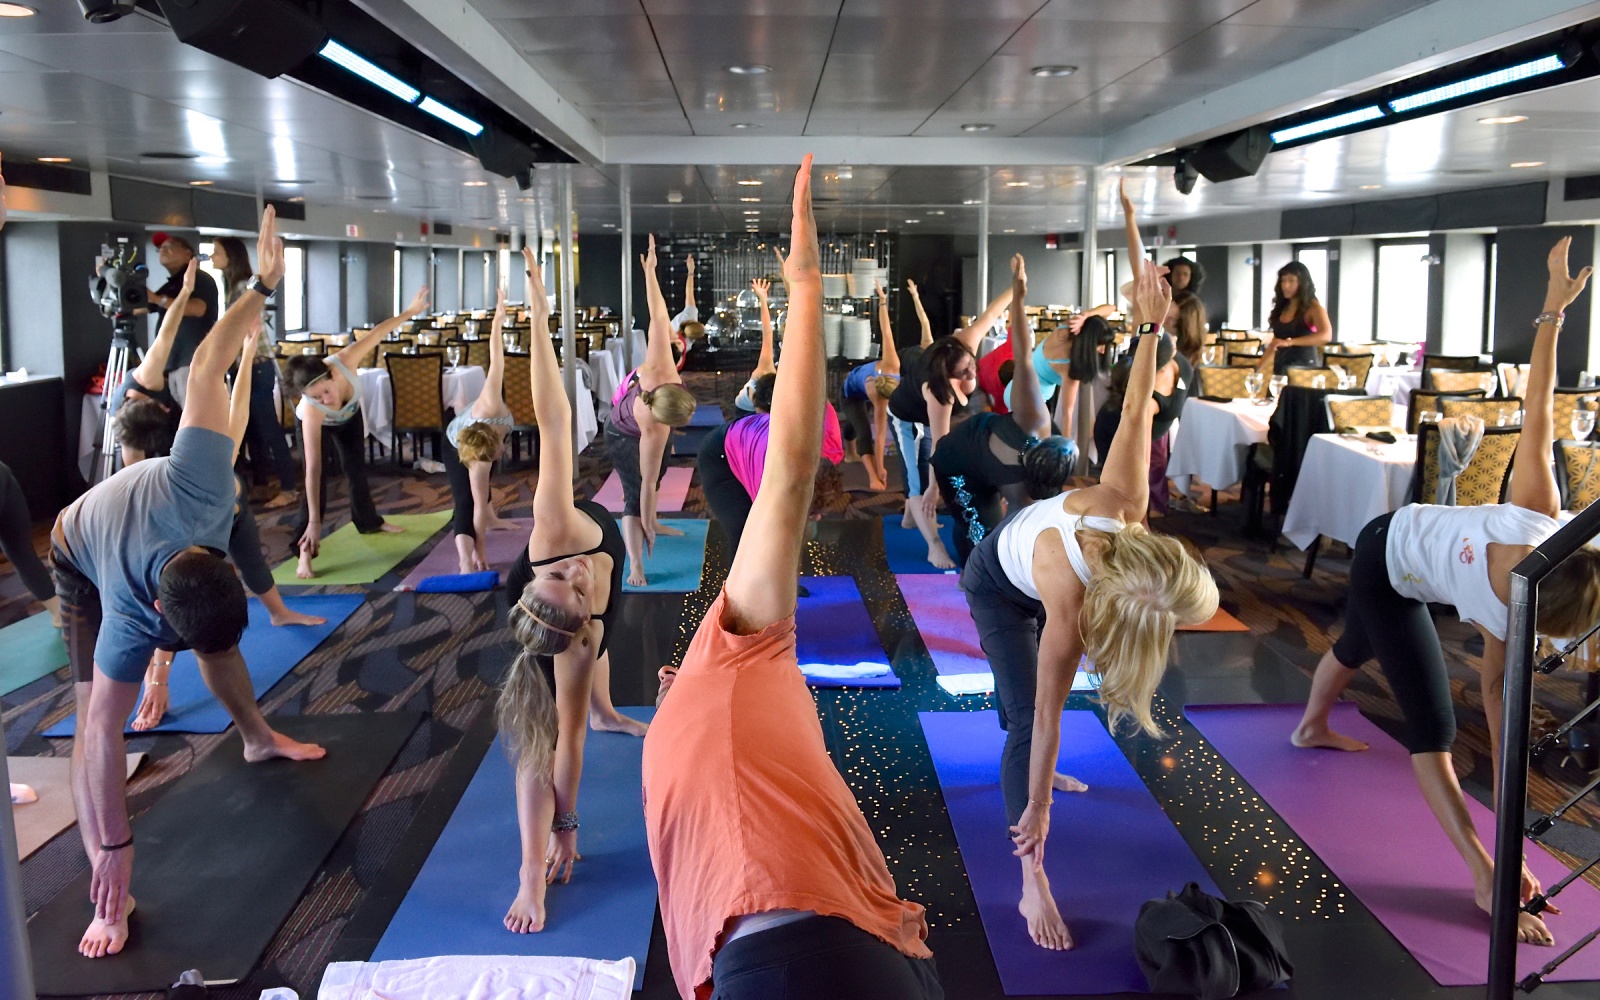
1462 556
1100 584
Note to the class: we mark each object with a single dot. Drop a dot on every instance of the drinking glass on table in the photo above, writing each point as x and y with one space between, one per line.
1428 417
1208 356
1252 385
1319 382
454 354
1276 384
1582 424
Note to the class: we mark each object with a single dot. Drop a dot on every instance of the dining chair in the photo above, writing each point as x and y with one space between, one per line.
1307 377
1365 411
1493 412
416 383
1358 366
1486 476
1569 401
1455 381
1422 400
1578 473
518 389
1228 382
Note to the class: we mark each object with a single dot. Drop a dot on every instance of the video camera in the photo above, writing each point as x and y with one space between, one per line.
119 285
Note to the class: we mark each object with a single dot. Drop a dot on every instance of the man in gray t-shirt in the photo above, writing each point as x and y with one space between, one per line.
138 565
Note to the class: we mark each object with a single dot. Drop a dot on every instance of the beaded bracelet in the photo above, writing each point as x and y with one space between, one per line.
565 822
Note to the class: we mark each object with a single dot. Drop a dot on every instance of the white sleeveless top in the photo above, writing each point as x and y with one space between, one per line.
1017 538
1440 554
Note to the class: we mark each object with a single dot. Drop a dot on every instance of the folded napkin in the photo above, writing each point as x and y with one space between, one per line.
844 671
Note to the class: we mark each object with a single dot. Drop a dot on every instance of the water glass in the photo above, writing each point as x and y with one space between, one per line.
1252 384
1319 382
455 356
1582 424
1428 417
1275 386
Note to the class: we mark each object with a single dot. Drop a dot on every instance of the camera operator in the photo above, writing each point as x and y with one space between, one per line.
200 314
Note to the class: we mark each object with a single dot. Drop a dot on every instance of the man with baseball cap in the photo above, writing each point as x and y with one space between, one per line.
174 253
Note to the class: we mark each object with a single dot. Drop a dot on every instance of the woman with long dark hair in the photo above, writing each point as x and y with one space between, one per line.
264 437
1299 322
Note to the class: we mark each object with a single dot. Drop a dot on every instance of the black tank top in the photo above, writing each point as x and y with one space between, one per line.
1300 354
907 403
611 544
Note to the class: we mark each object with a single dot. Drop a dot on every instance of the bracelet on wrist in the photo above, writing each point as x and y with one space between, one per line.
118 847
155 684
1552 317
565 822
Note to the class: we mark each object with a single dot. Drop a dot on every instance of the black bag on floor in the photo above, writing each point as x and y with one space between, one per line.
1194 943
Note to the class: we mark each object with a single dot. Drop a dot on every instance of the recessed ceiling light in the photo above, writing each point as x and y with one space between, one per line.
753 69
16 10
913 221
880 230
475 184
745 125
1058 70
970 201
1016 184
752 211
1008 230
977 127
376 211
201 184
55 159
674 197
1503 120
749 199
750 183
845 174
935 211
1527 163
1371 187
301 197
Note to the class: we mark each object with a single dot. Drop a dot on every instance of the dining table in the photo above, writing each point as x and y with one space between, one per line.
1214 438
461 387
1345 481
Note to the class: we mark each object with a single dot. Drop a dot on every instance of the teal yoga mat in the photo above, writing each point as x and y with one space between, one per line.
906 551
29 650
677 564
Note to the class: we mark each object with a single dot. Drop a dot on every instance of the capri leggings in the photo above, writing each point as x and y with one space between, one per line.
1400 632
857 415
455 472
244 547
16 537
916 447
730 503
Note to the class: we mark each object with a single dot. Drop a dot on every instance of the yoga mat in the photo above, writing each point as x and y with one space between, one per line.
39 822
269 651
939 609
1364 816
907 552
1110 849
29 650
832 626
223 858
669 497
459 898
686 439
349 557
1219 622
441 560
676 566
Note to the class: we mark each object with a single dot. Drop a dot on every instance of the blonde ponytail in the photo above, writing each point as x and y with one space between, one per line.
526 711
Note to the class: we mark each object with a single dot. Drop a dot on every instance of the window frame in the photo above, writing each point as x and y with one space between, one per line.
303 249
1378 246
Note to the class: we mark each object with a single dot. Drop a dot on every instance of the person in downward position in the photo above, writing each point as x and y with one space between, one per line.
872 384
137 564
1461 556
772 886
564 587
473 440
766 362
1101 586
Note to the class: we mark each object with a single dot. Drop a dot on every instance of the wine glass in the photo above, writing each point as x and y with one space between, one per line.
454 354
1208 355
1582 424
1252 384
1275 385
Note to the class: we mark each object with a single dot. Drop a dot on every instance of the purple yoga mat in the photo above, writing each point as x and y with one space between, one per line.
939 607
669 499
833 626
1110 849
1364 816
441 560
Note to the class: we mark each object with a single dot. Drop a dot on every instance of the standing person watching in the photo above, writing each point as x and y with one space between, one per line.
772 885
200 313
142 404
137 564
265 437
1299 322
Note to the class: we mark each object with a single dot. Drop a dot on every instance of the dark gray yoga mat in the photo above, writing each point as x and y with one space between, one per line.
223 858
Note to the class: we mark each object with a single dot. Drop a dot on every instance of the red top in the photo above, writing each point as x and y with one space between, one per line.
989 376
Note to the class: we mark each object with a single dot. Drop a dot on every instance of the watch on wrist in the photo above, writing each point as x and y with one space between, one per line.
1146 329
260 287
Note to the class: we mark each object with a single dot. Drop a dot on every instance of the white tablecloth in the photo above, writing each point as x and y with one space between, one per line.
614 345
991 342
1212 439
1346 482
1394 382
606 367
461 388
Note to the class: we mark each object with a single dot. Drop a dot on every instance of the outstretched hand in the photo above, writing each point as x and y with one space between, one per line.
804 263
1563 288
189 272
1122 195
500 298
1152 296
1019 275
252 339
648 258
419 303
688 263
269 249
761 286
538 301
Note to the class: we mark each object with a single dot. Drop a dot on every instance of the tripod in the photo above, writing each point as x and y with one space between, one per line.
116 370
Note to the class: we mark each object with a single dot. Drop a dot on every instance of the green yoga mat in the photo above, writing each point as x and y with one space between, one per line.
348 556
29 649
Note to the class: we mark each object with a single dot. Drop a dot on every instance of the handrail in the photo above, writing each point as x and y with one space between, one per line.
1516 725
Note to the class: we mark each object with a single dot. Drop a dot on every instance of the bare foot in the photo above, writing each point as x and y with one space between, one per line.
1038 907
282 746
636 578
292 617
102 939
1067 783
393 529
501 524
526 915
304 570
1530 929
1321 736
940 556
908 520
663 529
616 722
876 485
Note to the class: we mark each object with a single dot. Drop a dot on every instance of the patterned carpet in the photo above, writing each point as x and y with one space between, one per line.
442 654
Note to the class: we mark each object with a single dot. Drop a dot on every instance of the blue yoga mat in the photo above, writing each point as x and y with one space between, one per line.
269 651
677 564
29 650
1110 849
460 897
906 550
832 626
706 415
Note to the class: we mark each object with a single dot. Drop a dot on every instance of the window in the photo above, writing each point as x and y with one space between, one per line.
206 250
294 289
1108 281
1491 263
503 277
1401 296
1315 259
397 305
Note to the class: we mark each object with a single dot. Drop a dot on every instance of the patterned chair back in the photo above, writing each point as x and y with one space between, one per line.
1243 359
477 353
290 348
417 384
1227 382
1493 412
1428 399
1453 381
1568 402
1484 479
1368 411
1578 465
1451 363
1359 366
517 387
1306 377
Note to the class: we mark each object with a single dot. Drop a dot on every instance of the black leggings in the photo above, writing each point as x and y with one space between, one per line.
349 439
455 471
244 547
726 496
973 480
1400 632
16 537
820 957
858 415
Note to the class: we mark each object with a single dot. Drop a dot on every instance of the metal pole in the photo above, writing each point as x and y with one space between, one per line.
627 270
1511 800
16 964
569 311
1084 424
983 249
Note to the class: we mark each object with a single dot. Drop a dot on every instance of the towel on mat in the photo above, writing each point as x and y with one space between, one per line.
523 976
844 671
1459 438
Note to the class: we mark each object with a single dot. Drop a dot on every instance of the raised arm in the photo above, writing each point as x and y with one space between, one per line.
152 370
208 392
1533 485
493 391
1027 399
688 283
763 583
352 355
552 494
922 314
658 342
1127 468
1130 225
765 365
973 335
239 402
889 357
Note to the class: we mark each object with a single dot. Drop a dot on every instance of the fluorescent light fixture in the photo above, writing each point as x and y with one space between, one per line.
1475 84
1016 184
913 221
1527 163
370 72
450 116
977 127
754 69
744 125
1322 125
1048 71
749 199
55 159
1503 120
1371 187
16 10
751 183
201 184
474 184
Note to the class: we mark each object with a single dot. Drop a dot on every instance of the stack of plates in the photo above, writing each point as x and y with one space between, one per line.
832 324
857 338
863 271
833 286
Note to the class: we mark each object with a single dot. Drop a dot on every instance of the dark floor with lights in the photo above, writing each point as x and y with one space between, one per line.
441 654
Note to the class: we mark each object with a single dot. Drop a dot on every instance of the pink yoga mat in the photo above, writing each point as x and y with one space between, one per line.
1364 816
669 500
441 560
939 608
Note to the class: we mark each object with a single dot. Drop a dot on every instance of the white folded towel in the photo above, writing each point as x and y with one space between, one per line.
982 682
844 671
480 977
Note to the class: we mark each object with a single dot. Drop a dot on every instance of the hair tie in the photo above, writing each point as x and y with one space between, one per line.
554 628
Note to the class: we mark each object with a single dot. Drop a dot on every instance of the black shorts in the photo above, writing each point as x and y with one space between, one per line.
623 450
80 616
857 415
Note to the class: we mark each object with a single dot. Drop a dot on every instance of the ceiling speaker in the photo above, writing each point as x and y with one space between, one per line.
1184 174
1230 157
269 37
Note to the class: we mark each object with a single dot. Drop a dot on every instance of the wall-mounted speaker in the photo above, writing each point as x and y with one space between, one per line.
269 37
1230 157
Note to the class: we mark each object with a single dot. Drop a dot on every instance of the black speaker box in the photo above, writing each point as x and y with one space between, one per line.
269 37
501 154
1230 157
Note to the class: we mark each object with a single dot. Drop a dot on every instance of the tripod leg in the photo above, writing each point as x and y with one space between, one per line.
116 370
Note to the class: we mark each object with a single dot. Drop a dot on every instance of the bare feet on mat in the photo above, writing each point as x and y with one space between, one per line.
908 520
1314 736
280 745
1038 907
636 577
940 556
526 915
393 529
876 485
102 938
1067 783
616 722
663 528
303 569
291 617
501 524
